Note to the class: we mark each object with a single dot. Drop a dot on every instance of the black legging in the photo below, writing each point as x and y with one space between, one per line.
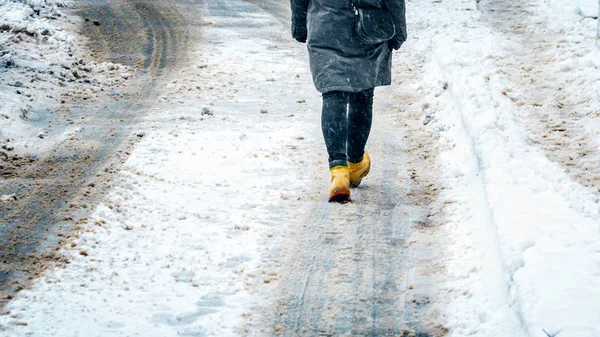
346 123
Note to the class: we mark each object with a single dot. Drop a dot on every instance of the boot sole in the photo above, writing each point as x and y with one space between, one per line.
359 180
341 195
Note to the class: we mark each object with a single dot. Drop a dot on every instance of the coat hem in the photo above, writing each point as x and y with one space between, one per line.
344 88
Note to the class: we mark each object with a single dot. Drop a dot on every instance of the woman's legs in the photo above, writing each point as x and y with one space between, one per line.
346 124
334 123
360 118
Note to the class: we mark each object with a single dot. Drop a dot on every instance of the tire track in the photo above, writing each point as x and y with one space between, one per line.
56 188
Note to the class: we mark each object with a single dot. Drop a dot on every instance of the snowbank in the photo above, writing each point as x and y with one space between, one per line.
524 240
576 9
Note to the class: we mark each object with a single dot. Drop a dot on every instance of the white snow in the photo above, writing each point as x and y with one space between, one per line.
7 197
177 246
570 8
523 237
43 64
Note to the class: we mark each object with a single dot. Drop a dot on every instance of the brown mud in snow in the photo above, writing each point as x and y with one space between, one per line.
557 113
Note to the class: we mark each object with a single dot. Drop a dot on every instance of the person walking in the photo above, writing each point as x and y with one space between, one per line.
350 46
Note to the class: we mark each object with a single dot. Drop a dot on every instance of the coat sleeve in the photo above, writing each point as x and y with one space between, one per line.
398 11
299 13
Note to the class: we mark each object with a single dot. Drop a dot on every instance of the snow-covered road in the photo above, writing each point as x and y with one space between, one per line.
484 222
220 199
59 157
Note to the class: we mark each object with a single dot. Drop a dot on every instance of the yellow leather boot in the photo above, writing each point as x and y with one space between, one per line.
340 184
359 170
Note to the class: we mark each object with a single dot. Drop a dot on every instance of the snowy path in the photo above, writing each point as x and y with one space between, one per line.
483 223
225 190
350 272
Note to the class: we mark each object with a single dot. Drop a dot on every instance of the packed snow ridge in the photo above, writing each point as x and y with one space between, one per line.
512 89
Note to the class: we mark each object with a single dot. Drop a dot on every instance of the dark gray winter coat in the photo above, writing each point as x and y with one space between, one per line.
339 60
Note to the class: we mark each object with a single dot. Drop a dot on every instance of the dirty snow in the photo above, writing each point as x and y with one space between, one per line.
43 66
176 247
522 235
